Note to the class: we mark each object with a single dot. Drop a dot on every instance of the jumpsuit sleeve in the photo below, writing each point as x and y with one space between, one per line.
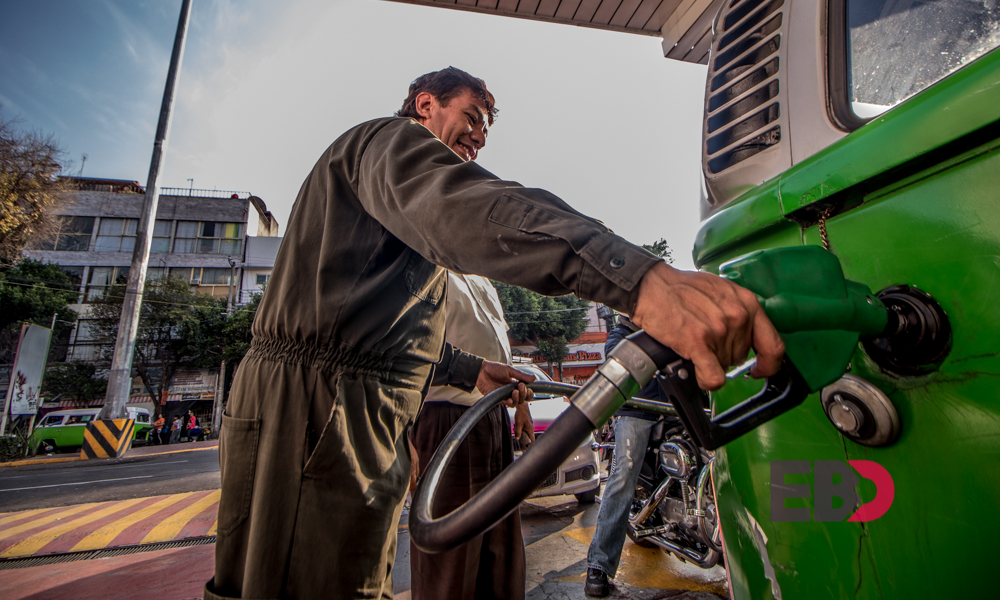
457 368
460 216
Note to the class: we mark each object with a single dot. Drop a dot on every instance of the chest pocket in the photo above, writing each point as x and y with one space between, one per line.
425 280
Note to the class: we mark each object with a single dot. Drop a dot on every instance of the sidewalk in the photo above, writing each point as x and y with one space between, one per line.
135 451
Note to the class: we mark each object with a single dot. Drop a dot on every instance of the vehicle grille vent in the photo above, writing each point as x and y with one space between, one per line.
743 104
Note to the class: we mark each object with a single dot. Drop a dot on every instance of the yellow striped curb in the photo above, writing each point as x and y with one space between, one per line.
168 528
33 544
100 538
72 510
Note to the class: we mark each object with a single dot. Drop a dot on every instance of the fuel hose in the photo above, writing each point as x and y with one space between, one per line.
630 366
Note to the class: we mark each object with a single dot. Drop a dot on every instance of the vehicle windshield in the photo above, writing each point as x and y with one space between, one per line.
896 48
50 421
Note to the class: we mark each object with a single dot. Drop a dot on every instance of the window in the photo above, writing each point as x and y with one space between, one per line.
186 237
51 420
161 236
101 278
262 280
896 48
72 235
209 237
116 235
206 276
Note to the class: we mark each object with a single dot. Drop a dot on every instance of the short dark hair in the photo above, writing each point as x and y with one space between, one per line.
445 85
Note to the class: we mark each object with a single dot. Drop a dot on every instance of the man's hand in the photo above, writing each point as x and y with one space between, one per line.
524 423
495 375
709 320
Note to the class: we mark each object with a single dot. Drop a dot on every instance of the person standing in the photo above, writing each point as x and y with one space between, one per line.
632 430
158 427
350 333
175 430
491 565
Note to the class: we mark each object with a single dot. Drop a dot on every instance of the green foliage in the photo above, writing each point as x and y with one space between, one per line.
237 332
547 322
661 249
75 381
30 163
177 325
14 443
31 292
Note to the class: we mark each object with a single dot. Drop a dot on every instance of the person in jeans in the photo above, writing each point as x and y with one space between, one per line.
632 429
175 431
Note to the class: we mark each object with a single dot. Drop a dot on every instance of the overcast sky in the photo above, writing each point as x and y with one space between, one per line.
599 118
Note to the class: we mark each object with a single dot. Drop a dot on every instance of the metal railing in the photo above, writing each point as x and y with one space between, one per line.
194 193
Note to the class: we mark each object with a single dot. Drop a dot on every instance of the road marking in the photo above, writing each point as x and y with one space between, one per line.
24 514
29 546
120 466
38 487
168 529
45 520
105 535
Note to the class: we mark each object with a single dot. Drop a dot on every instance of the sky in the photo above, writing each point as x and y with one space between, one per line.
599 118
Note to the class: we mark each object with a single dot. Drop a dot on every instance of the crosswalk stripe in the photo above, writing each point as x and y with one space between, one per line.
20 516
72 510
33 544
105 535
215 528
172 525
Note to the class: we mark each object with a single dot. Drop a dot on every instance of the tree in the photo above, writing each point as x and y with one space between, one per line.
237 333
31 292
75 382
30 163
547 322
661 249
177 326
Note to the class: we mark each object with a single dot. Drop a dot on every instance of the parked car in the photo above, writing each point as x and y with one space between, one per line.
580 474
63 429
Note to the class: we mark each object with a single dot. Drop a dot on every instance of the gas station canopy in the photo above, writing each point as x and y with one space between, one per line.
684 25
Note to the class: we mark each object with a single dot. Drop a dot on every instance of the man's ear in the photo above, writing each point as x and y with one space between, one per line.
425 102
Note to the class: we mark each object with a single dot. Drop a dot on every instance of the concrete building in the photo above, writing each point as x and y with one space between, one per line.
199 235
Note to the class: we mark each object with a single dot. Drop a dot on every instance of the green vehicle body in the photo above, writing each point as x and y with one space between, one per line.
63 429
913 197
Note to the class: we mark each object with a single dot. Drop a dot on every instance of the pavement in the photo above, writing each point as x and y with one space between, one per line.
125 550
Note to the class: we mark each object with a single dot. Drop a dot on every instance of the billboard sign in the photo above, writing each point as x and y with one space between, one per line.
29 365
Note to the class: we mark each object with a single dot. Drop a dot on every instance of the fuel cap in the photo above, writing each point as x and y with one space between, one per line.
861 411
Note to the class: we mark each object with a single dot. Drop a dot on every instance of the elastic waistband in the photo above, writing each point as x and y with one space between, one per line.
395 369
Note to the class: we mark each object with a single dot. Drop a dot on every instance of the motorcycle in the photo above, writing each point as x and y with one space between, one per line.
674 505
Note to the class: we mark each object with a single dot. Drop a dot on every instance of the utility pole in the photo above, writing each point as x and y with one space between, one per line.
120 376
220 387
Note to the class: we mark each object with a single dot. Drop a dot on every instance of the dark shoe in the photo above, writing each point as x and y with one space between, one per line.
597 583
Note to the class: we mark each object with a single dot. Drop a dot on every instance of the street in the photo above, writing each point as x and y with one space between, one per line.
135 476
129 525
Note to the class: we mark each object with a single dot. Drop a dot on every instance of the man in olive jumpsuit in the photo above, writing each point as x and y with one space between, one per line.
314 455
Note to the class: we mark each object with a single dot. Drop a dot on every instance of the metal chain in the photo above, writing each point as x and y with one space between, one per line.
823 216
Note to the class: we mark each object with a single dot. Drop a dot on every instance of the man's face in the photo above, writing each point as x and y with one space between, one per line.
461 124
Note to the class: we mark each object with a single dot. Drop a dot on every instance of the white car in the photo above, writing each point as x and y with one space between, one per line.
579 474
